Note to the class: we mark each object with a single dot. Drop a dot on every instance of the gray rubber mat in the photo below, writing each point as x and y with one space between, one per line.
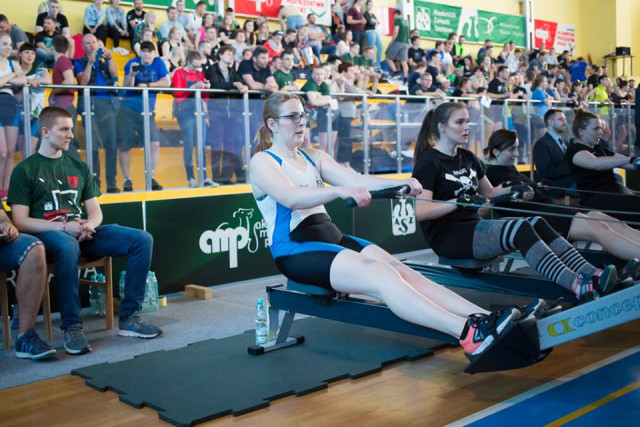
214 378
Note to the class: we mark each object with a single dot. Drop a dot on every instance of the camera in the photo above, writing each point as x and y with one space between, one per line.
138 68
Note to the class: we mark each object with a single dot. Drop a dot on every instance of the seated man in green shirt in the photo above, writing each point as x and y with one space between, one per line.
354 51
55 197
283 76
366 64
317 91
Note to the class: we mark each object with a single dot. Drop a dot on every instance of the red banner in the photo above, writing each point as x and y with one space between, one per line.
256 7
545 33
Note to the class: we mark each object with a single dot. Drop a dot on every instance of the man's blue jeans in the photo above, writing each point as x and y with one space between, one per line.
373 40
187 122
109 240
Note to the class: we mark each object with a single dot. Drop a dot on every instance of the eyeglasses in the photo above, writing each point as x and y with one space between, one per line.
296 117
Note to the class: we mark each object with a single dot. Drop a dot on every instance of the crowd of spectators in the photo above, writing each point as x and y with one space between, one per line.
200 50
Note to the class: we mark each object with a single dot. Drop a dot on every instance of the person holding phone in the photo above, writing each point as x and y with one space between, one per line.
147 70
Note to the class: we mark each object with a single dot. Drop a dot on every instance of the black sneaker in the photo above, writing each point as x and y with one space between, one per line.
113 190
30 346
532 310
155 186
74 341
127 185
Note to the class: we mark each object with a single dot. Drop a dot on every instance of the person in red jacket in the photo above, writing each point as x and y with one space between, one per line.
191 76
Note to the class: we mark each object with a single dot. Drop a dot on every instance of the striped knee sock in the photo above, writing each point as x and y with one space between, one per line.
571 257
545 262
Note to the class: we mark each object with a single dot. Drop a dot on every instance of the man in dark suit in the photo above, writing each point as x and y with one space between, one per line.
548 155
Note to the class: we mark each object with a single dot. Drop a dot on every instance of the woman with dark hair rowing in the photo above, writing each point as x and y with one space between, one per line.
592 165
614 236
288 185
453 177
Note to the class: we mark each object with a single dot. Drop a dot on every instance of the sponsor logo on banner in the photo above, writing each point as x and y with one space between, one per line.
423 18
320 8
403 217
242 232
544 34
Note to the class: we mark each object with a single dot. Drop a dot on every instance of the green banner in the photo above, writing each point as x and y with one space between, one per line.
436 21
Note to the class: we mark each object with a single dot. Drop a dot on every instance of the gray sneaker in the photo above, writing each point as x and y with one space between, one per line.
74 341
136 326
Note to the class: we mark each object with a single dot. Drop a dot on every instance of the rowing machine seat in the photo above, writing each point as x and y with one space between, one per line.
471 264
317 291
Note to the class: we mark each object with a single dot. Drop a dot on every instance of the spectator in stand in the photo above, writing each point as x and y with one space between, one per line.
35 75
478 80
149 23
197 21
337 24
319 97
513 60
345 82
371 30
75 228
549 155
539 92
290 43
186 20
94 16
416 53
25 253
201 32
171 22
346 40
306 52
318 38
365 62
226 113
498 91
17 35
551 58
147 36
239 44
284 77
147 70
425 87
413 78
63 75
399 46
205 49
290 18
263 34
256 73
458 48
434 65
227 30
173 51
354 51
274 44
483 49
62 24
191 76
356 21
44 41
117 26
98 68
10 73
212 37
249 32
135 17
578 70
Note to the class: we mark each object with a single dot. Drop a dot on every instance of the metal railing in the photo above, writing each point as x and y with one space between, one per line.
393 120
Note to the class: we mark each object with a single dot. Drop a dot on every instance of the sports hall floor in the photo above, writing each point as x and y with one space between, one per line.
587 382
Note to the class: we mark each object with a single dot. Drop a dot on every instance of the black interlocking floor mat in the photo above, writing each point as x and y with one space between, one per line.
214 378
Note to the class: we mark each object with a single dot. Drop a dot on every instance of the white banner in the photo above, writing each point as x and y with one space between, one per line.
565 38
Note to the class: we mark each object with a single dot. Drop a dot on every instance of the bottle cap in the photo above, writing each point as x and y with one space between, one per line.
260 300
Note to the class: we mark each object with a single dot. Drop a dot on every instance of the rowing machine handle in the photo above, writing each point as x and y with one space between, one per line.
385 193
508 197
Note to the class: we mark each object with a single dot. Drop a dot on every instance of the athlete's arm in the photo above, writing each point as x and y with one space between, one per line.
336 174
267 178
587 160
431 210
487 190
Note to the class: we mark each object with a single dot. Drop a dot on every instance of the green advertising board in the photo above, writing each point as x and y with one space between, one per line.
436 21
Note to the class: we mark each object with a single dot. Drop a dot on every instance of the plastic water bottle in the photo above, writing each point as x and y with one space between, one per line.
15 322
153 291
94 296
261 323
123 278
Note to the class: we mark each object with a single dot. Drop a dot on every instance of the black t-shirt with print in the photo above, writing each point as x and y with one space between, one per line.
449 177
588 179
497 87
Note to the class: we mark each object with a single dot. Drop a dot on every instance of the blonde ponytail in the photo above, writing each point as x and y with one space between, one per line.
263 138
